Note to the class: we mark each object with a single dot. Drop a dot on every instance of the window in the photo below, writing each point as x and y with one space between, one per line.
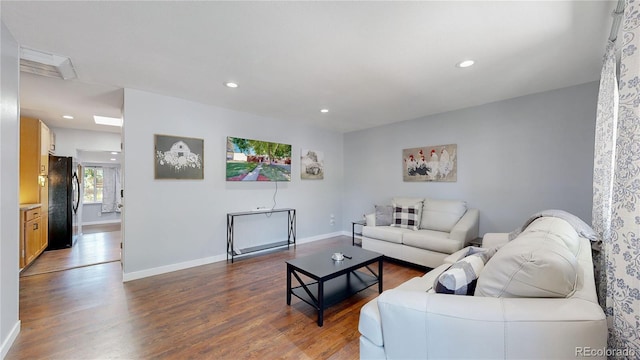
92 184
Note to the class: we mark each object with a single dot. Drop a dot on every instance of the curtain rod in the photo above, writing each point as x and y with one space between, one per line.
617 19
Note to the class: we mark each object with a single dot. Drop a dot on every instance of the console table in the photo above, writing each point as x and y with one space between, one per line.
291 232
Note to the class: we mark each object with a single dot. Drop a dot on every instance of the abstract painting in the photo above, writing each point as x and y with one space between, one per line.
430 163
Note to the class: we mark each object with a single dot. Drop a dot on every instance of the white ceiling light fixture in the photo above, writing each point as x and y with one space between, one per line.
465 63
113 159
324 111
45 64
68 117
114 153
230 84
105 120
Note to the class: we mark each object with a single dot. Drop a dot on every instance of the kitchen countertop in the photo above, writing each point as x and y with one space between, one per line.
29 206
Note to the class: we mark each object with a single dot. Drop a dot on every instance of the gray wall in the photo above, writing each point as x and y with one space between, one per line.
173 224
515 157
9 219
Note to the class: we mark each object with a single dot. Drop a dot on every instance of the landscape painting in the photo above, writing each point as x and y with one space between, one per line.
311 165
178 157
256 160
430 163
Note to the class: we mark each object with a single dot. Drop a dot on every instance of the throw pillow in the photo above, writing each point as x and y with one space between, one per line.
405 217
461 277
384 215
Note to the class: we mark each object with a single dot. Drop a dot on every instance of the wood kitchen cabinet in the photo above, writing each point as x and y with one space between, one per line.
31 229
35 138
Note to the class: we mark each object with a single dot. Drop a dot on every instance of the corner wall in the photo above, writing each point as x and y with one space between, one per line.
515 157
9 209
173 224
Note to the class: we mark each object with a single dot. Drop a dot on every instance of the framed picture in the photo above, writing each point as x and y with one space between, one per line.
311 165
178 157
430 163
257 160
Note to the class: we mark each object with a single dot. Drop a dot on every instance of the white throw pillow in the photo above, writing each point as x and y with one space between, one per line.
441 215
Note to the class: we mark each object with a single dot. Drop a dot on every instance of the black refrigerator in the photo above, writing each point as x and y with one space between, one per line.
63 202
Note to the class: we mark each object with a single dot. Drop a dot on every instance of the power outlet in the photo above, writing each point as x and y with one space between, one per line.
99 213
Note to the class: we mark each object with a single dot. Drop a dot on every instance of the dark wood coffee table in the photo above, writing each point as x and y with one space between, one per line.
334 281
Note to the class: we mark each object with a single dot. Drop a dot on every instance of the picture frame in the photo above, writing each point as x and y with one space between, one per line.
311 164
178 157
438 163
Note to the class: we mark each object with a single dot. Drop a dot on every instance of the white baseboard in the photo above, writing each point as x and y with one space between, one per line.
6 344
114 221
212 259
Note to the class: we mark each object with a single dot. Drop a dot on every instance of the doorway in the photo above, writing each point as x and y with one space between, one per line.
99 233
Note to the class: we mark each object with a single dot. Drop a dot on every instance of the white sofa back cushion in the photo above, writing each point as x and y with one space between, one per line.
535 264
441 215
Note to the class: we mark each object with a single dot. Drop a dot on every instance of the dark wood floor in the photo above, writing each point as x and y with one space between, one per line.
216 311
98 244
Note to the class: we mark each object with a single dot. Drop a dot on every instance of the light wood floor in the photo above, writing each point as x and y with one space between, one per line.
215 311
98 244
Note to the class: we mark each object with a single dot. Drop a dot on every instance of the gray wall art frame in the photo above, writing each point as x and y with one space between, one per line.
178 157
430 163
311 164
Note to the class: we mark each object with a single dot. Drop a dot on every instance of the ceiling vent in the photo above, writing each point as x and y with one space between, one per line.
45 64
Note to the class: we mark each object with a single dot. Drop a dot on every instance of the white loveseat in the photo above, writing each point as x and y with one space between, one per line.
534 299
443 227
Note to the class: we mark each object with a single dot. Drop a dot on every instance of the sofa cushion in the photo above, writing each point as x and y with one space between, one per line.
530 266
432 240
406 217
555 229
461 277
384 215
386 233
409 201
441 215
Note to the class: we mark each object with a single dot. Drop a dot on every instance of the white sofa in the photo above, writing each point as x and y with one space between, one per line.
512 314
443 227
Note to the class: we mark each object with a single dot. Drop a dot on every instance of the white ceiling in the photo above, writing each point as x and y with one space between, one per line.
370 63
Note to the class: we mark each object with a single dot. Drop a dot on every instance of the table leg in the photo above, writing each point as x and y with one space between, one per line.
288 284
320 302
380 276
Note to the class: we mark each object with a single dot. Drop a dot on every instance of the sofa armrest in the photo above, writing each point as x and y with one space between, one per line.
491 240
416 324
453 258
467 227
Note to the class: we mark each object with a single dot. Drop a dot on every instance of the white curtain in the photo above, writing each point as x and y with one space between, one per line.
616 204
110 189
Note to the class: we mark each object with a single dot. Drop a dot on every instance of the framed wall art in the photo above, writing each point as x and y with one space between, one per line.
311 165
178 157
257 160
430 163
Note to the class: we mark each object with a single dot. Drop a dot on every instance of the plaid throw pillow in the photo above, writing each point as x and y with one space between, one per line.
462 277
405 217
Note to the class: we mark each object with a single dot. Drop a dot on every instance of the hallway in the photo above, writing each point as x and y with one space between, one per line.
98 244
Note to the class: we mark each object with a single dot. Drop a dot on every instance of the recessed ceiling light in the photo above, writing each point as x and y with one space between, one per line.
231 84
114 153
465 63
113 159
67 117
104 120
324 111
